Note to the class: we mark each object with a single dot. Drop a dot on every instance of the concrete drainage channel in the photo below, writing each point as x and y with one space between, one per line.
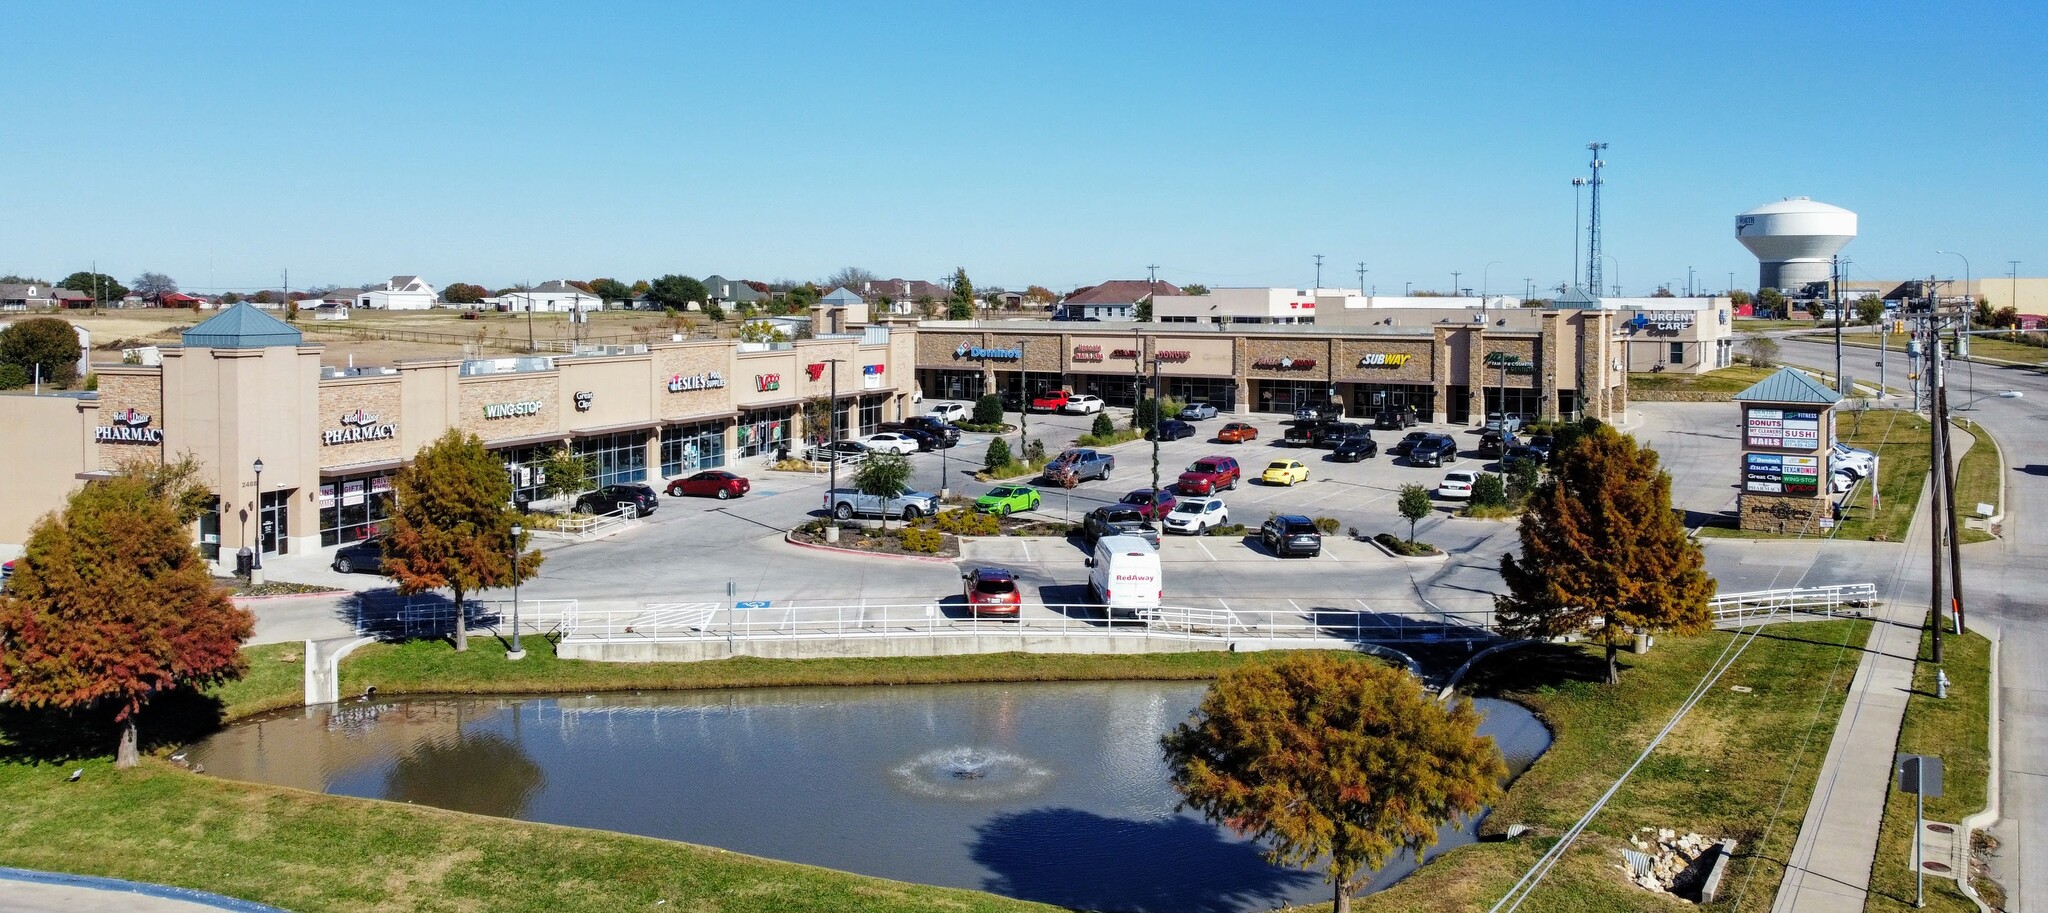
323 667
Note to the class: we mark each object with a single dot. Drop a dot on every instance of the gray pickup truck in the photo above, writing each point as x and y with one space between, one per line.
1081 464
845 503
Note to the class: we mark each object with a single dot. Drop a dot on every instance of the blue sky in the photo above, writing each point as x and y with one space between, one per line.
1057 144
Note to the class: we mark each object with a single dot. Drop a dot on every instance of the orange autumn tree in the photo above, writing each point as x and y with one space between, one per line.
1602 551
451 524
111 606
1334 759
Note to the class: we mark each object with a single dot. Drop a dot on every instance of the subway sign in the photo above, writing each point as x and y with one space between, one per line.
1384 359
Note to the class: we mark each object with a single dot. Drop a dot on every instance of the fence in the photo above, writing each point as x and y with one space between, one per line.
434 616
1793 604
585 529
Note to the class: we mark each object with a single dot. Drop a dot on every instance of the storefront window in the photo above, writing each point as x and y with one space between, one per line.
1285 396
1220 392
956 385
523 465
353 507
616 458
761 431
1519 401
871 414
688 448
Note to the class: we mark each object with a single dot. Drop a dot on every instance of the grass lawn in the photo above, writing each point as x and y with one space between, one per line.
307 852
1900 440
1759 325
1977 481
1956 730
1732 379
1741 765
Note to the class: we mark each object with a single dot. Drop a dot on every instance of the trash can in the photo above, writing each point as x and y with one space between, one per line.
781 452
245 561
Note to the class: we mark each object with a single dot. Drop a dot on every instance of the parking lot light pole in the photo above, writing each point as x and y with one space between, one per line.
256 563
832 433
518 652
1023 398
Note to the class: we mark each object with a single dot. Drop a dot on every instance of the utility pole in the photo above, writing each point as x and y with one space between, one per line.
1931 345
1454 282
1835 292
1361 277
1158 416
2015 285
1947 481
1319 273
832 435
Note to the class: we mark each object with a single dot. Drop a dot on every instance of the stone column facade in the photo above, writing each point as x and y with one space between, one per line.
1475 377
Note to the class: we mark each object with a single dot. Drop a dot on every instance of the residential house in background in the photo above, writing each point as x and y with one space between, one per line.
182 300
902 295
555 296
66 298
729 292
402 293
15 297
1116 299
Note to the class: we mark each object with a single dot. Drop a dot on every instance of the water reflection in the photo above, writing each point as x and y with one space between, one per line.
1045 791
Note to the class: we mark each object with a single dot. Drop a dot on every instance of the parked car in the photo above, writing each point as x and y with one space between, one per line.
1081 404
1317 413
934 425
1284 472
1172 429
890 441
1291 534
635 498
1300 433
1195 412
1497 421
1013 401
992 591
844 503
364 556
1405 444
1434 450
1196 516
1354 448
1395 419
1457 485
711 483
1007 499
837 452
1050 401
1117 520
1237 433
1328 435
1082 464
1151 504
1524 454
1209 474
1125 578
1840 481
950 412
926 441
1494 443
1853 460
1541 441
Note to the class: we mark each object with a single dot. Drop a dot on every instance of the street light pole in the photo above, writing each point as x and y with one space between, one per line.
256 566
832 433
1158 416
1023 399
518 652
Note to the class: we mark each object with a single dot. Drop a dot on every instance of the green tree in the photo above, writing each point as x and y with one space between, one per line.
1144 311
960 304
678 292
291 311
45 343
451 526
761 331
1815 308
1983 314
998 454
1771 303
1738 297
1489 491
1869 310
100 285
817 415
463 293
1040 296
714 312
1148 411
1334 761
927 306
1761 350
12 377
1194 289
1523 477
884 475
564 474
1414 505
1104 427
231 298
110 607
12 279
988 410
1603 551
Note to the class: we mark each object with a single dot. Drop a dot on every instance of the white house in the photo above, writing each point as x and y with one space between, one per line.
402 293
553 296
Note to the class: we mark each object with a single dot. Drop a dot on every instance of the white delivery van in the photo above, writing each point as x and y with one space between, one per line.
1124 577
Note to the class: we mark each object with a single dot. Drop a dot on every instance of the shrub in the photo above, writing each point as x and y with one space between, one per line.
1489 492
963 522
1104 426
1400 546
921 540
1234 529
1327 525
12 376
998 454
1034 451
988 410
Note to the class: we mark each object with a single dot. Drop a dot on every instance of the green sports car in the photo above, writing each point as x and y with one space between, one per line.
1008 499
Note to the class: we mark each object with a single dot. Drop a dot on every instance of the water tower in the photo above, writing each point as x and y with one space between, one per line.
1794 239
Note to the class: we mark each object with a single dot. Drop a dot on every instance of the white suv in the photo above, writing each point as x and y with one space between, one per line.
1196 515
950 412
1082 404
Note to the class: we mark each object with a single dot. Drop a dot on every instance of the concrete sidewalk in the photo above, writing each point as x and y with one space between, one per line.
26 891
1829 870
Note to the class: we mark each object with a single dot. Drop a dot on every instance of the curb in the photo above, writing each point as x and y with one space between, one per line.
323 594
786 537
1451 684
1989 816
162 892
1440 555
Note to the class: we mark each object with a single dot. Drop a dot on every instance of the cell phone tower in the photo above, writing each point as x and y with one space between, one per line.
1593 224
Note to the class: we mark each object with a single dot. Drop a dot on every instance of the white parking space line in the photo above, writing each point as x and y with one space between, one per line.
1027 545
1205 550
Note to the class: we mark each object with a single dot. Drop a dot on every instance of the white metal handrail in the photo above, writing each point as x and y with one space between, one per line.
1837 600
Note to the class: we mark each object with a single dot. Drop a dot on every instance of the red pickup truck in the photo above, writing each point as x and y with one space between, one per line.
1208 475
1050 402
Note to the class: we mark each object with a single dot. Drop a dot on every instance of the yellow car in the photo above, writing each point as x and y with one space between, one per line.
1284 472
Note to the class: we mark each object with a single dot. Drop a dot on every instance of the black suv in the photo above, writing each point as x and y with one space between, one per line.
1433 450
1524 454
1402 446
1118 520
926 441
1493 443
1395 419
1357 447
641 499
1291 534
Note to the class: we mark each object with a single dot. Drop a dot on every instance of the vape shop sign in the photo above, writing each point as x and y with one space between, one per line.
1784 429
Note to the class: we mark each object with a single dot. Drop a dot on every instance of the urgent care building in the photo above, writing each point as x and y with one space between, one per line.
245 387
1452 365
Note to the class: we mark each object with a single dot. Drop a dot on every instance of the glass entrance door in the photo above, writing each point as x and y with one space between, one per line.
273 522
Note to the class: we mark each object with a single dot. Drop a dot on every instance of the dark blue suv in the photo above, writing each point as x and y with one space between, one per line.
1435 450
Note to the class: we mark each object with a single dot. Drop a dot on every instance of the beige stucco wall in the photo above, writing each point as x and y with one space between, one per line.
47 442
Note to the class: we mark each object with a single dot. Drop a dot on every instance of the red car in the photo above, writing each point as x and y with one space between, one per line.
1208 475
1152 505
992 591
1237 433
714 483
